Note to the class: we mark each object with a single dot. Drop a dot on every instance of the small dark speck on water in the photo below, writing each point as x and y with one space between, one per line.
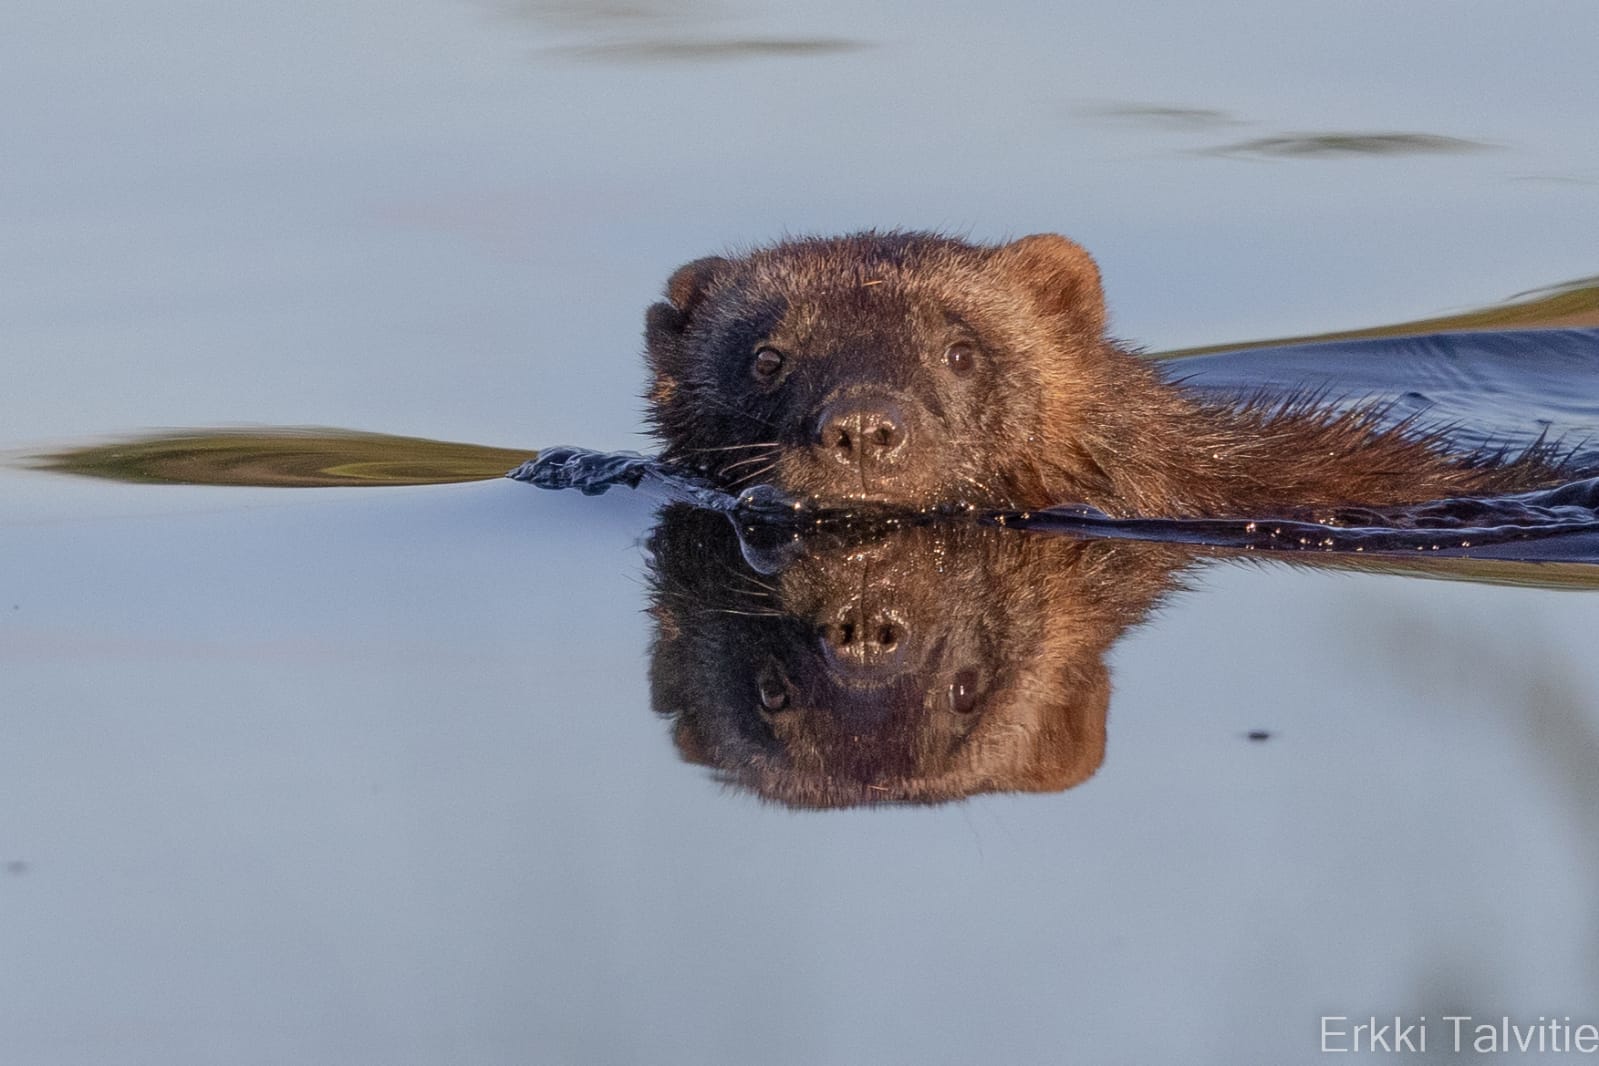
16 867
1259 735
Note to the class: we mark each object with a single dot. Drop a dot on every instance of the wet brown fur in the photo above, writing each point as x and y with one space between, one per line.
1058 411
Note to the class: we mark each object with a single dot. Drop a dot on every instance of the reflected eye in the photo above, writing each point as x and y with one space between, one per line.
774 693
768 363
962 694
961 358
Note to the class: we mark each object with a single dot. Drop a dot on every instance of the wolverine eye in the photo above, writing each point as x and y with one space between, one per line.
961 358
962 694
768 362
774 693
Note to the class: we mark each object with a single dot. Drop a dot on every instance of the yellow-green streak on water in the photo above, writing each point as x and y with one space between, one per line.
1504 572
284 457
1575 303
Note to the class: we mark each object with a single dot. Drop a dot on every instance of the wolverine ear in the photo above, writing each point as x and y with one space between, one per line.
1061 276
684 290
1070 746
690 742
688 284
664 323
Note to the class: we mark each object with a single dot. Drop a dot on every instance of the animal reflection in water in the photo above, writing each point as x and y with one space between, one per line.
919 665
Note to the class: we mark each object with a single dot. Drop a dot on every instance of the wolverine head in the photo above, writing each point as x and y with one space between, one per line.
904 369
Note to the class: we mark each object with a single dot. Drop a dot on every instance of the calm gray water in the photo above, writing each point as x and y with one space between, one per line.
371 777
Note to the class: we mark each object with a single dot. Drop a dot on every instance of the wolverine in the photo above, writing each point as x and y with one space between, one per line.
918 664
921 371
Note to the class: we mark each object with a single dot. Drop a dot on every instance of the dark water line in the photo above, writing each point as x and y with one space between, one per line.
1451 525
764 515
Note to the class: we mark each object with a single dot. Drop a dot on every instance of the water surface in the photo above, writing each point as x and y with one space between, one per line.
375 776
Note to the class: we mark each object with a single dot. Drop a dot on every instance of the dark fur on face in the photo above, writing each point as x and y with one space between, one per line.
922 371
925 666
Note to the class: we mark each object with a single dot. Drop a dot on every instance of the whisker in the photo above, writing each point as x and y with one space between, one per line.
734 447
758 588
745 479
729 468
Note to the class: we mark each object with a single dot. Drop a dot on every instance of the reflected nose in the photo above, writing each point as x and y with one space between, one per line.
865 640
861 430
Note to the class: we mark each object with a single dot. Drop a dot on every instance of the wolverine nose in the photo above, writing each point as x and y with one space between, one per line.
864 641
856 430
